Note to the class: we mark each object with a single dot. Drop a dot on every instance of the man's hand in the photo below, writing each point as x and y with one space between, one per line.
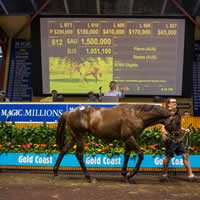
186 130
123 89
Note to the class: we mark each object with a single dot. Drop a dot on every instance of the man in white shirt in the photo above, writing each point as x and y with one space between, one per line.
113 91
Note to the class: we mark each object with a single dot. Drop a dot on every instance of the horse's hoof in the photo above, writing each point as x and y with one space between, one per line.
125 179
124 173
130 181
55 173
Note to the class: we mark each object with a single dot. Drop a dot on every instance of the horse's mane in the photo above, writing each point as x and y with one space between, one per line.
145 108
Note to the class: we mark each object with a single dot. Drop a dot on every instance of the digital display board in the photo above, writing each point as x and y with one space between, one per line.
145 56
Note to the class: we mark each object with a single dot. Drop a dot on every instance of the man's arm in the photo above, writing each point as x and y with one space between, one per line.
164 132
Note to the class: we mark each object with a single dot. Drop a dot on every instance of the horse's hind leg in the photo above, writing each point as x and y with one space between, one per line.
65 149
79 155
132 145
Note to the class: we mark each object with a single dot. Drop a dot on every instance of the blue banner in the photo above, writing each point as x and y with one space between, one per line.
70 160
19 84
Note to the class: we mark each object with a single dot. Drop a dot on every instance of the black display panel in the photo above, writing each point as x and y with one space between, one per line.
144 55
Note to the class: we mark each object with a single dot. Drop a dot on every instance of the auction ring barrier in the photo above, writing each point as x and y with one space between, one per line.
34 114
96 162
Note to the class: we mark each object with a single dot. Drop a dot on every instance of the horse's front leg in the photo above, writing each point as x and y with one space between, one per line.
126 158
79 155
65 149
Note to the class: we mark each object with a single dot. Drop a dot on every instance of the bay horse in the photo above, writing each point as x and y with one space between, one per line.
123 122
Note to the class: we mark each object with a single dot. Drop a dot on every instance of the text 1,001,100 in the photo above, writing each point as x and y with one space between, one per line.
98 51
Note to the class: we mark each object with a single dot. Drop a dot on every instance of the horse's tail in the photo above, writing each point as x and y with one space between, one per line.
60 132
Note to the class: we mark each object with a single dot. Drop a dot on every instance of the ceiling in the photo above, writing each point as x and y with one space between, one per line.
99 7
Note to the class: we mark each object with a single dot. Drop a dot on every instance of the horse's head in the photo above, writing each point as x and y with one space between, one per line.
153 114
169 121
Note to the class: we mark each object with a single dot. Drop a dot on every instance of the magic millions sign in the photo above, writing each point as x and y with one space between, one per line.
37 112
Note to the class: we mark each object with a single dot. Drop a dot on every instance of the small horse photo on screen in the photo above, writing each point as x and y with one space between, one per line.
74 77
